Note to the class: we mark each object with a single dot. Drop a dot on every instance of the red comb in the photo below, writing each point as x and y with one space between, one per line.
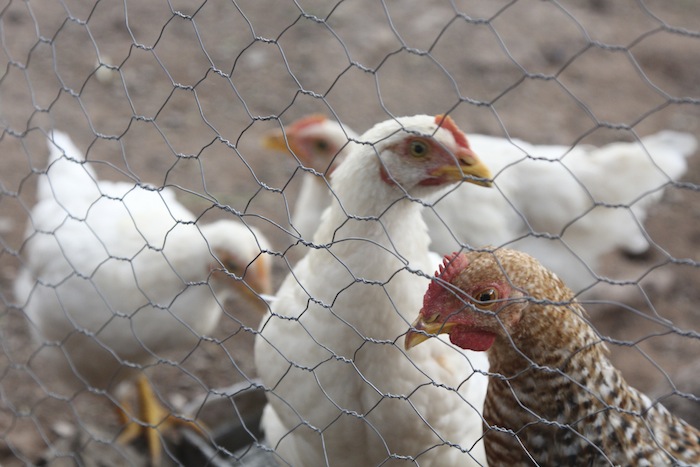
304 122
450 268
446 122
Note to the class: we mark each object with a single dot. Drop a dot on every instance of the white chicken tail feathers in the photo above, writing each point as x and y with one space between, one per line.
669 149
61 145
683 143
641 172
637 168
67 173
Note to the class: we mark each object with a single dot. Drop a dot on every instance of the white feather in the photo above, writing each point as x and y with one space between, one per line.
342 390
565 206
117 273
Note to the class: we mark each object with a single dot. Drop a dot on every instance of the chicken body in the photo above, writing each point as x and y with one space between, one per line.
565 206
342 392
555 398
117 275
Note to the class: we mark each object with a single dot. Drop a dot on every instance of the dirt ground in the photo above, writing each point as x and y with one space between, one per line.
180 93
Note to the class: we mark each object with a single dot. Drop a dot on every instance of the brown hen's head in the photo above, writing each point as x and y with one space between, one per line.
481 296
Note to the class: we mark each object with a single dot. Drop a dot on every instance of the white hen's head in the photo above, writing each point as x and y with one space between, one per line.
238 250
318 142
419 153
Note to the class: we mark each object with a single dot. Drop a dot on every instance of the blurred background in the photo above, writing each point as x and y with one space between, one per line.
181 93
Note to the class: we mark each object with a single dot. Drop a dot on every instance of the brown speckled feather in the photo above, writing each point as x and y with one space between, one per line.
554 397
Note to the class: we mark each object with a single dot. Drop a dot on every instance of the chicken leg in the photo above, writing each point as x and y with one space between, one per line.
152 420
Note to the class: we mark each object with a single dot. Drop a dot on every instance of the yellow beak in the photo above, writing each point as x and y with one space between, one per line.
470 165
275 141
422 329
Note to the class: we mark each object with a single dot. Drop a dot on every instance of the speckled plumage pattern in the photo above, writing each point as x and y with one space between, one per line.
555 398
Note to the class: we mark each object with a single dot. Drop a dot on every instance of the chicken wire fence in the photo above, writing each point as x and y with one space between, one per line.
145 227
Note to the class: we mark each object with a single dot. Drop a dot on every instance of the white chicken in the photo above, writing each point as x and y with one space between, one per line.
320 145
565 206
116 275
341 391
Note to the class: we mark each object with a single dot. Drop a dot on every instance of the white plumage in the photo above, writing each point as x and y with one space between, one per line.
117 274
319 145
565 206
341 390
586 201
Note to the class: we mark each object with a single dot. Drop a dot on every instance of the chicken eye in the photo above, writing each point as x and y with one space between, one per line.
230 266
321 145
419 148
487 295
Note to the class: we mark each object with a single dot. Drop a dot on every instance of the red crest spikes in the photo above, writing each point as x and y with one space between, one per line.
446 122
451 266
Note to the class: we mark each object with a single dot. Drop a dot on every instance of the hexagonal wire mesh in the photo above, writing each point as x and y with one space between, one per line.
115 270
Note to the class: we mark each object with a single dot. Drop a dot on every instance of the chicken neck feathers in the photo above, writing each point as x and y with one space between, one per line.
554 397
342 391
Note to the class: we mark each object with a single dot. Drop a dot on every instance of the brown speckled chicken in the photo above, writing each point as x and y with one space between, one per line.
553 398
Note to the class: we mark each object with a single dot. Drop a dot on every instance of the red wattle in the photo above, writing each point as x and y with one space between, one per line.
472 339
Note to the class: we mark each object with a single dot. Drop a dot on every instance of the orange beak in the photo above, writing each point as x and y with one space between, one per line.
258 278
